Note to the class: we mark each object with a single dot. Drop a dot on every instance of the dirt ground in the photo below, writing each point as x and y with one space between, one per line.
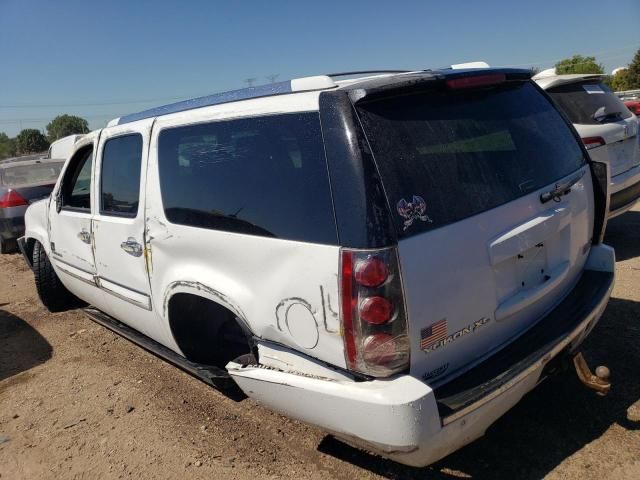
77 401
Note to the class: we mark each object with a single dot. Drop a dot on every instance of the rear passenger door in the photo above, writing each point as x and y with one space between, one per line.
118 222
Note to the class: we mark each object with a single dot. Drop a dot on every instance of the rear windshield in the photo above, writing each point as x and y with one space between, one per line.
31 174
589 103
446 155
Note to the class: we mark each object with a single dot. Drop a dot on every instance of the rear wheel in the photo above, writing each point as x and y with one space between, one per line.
53 294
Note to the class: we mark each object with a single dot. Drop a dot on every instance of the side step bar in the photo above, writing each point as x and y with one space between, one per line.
210 374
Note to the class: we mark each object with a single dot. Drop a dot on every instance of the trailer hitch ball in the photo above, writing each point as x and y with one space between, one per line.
602 372
598 382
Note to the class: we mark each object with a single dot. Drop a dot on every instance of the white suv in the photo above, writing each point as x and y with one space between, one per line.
396 258
608 129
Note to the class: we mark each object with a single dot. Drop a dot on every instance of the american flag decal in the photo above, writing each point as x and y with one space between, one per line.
433 334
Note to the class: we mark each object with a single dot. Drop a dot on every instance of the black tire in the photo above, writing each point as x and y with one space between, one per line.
53 294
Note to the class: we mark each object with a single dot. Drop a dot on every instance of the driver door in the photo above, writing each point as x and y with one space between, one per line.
70 230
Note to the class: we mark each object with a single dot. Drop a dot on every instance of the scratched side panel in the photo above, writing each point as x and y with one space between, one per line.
284 291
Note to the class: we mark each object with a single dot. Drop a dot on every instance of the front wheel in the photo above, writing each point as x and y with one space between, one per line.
53 294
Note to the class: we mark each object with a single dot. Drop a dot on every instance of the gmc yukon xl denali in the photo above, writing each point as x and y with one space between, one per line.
397 258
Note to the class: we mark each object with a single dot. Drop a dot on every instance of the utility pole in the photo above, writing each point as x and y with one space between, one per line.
272 77
250 81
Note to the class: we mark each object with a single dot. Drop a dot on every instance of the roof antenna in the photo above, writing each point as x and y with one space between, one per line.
272 78
250 81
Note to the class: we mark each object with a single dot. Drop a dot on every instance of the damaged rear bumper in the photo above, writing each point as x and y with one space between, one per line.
403 418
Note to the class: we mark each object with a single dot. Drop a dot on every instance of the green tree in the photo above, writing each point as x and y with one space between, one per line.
64 125
31 140
619 81
579 64
7 146
633 72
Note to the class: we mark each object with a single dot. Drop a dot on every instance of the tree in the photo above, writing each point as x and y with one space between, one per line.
31 140
64 125
619 81
7 146
633 72
579 64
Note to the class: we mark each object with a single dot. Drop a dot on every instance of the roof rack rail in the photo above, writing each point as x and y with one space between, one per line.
365 72
318 82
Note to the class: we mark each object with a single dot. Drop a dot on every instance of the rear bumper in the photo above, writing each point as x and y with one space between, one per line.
624 191
403 418
11 228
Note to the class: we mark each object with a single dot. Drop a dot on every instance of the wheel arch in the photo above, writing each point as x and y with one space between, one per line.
195 313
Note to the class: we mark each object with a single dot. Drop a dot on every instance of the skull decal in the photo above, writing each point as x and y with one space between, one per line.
413 210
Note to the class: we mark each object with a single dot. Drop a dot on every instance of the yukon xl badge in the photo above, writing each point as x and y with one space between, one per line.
413 210
437 335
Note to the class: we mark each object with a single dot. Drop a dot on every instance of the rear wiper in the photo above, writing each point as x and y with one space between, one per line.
560 189
602 117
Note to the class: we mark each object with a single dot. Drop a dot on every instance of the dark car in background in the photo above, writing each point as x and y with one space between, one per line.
22 182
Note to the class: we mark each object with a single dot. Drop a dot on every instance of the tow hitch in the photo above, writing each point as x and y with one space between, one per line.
598 382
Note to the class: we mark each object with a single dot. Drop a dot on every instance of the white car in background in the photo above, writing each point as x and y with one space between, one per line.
607 127
62 148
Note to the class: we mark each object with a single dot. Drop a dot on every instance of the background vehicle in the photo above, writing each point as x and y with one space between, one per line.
397 258
607 127
633 106
62 148
21 183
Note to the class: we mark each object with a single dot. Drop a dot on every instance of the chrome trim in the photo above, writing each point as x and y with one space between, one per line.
76 276
542 359
97 283
146 306
59 260
123 286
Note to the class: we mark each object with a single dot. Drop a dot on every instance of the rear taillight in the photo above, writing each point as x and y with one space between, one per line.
12 199
593 142
476 81
374 323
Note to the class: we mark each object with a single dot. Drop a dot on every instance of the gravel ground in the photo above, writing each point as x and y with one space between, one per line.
77 401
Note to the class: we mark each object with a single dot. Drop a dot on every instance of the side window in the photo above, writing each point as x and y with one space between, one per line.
76 185
257 176
120 176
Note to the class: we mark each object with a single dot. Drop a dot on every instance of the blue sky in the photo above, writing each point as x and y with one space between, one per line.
101 59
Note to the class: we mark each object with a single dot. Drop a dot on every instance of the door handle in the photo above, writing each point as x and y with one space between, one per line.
84 236
132 247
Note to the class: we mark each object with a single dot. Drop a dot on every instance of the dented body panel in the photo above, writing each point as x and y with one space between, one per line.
409 425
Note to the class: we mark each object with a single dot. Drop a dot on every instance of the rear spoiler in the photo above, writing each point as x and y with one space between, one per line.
381 86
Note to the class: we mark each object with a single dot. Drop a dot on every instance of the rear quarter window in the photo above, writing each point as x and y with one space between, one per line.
262 176
589 103
448 155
